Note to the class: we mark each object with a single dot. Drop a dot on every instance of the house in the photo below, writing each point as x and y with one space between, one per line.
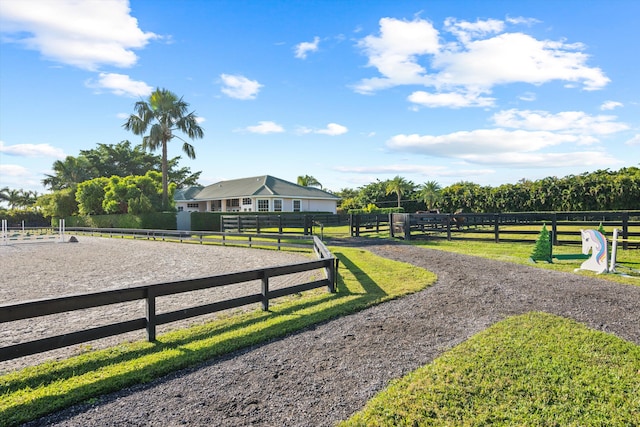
256 194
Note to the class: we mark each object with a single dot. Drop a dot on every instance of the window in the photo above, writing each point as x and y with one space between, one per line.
193 205
246 201
233 203
277 205
180 208
263 205
296 205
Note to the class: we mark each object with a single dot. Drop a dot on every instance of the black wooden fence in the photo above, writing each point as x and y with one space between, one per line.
149 293
282 224
514 227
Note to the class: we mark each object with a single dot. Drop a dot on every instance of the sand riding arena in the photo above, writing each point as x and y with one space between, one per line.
35 270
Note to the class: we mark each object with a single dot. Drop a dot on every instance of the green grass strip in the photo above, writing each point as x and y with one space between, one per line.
364 280
520 253
531 370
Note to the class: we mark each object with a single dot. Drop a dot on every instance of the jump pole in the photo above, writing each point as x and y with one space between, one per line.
614 251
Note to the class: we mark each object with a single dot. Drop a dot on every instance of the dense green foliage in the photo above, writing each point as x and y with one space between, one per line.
114 160
117 195
150 221
600 190
206 221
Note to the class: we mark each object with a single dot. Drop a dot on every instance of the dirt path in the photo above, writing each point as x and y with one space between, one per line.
322 375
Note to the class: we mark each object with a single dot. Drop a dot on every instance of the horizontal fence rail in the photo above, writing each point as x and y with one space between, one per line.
151 319
281 224
513 227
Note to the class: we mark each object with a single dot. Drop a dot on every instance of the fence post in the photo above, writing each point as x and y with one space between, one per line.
265 291
496 227
449 218
407 227
625 230
391 225
151 315
554 229
333 288
257 224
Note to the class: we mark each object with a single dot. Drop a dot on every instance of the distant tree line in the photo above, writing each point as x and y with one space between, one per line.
599 190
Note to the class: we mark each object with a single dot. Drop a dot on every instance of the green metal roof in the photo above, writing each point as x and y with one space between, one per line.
265 185
187 193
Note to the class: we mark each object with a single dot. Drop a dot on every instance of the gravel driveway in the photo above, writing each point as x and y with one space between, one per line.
322 375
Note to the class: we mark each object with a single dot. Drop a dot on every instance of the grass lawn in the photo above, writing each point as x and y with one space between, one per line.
530 370
628 261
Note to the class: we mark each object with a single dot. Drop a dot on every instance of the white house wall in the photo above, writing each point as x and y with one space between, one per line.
306 205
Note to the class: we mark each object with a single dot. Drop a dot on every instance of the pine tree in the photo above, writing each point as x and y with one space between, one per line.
542 250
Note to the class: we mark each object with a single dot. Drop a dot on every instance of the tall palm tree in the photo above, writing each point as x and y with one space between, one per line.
163 114
399 186
309 181
430 193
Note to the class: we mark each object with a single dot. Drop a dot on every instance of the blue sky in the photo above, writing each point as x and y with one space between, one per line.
346 91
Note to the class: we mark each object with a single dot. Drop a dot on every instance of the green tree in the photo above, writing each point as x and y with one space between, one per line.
399 186
542 249
164 114
430 193
90 195
59 204
308 181
18 198
69 173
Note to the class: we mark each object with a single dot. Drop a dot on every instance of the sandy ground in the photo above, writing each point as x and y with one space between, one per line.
40 270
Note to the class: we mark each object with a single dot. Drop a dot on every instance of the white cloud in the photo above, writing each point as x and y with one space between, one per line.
545 160
394 53
333 129
120 84
426 170
466 31
635 140
486 142
303 48
84 34
610 105
14 171
480 57
239 87
451 99
576 122
514 57
32 150
265 127
528 97
522 148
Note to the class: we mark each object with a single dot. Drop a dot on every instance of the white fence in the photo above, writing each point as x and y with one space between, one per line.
24 234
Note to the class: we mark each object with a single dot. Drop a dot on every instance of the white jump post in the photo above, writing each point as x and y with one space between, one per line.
614 251
4 232
61 226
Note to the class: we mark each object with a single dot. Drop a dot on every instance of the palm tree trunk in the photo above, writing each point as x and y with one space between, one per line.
165 173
